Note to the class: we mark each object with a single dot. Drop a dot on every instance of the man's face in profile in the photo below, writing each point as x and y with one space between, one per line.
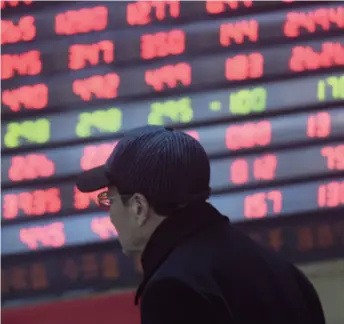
130 220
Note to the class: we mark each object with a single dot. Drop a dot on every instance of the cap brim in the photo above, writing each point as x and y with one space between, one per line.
92 180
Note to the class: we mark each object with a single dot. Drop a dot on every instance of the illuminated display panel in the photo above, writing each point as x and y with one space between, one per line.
117 47
79 18
86 84
257 204
231 137
232 173
272 97
104 265
230 68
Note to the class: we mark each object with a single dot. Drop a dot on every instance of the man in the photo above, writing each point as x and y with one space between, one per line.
197 267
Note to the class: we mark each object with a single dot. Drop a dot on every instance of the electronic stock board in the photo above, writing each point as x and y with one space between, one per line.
259 84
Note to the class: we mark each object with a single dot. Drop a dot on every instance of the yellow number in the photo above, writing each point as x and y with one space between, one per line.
248 101
34 131
177 111
109 121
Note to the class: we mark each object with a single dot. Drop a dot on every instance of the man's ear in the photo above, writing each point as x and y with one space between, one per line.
140 208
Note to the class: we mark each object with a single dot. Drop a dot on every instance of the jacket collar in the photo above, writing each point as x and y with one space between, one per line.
171 232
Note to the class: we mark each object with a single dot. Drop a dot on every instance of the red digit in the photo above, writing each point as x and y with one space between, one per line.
10 206
239 171
138 13
334 156
56 234
276 197
53 200
331 194
255 206
28 237
264 168
26 203
83 200
319 125
39 202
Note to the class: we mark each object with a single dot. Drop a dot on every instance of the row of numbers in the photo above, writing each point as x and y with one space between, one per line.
48 201
237 136
258 205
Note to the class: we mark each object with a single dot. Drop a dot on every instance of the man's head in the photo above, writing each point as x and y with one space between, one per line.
152 172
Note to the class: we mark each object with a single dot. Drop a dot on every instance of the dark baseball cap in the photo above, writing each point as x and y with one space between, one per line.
165 165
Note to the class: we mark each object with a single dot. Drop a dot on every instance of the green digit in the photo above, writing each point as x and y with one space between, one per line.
321 90
337 88
12 135
41 130
114 116
259 99
247 101
337 84
186 111
240 102
28 131
170 110
341 87
155 115
83 127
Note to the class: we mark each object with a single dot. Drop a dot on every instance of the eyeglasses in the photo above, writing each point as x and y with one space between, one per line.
105 201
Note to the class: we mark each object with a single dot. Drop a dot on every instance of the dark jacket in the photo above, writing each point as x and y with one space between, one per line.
199 269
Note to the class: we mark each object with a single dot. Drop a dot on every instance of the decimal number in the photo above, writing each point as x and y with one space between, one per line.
175 111
263 169
324 18
85 20
51 235
11 33
32 203
31 166
162 44
32 131
244 67
142 13
30 97
248 135
305 58
169 76
248 101
260 204
98 86
104 121
96 155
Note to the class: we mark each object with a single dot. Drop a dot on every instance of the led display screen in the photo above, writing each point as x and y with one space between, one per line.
260 84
